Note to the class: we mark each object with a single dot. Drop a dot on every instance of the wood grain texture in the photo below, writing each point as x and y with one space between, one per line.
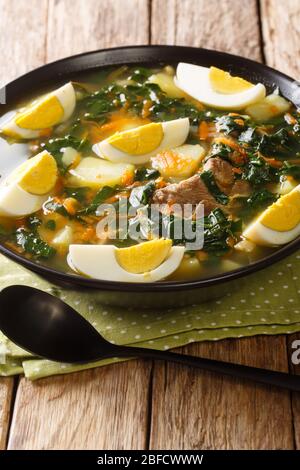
293 347
6 394
199 410
108 407
281 34
104 408
76 26
224 25
22 36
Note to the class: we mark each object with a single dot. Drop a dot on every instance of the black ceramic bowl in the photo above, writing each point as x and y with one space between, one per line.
167 293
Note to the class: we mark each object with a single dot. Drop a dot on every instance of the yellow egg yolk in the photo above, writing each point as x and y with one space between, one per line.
284 214
223 82
144 257
138 141
43 114
38 175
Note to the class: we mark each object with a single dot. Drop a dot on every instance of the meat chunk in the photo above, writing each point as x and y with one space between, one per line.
190 191
222 171
240 188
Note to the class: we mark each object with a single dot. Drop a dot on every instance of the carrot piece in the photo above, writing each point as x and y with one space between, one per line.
273 162
203 130
226 141
88 234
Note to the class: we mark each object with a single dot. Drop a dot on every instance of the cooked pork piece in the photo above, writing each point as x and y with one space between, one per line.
222 171
190 191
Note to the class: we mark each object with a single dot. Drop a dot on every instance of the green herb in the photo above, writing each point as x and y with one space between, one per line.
291 170
140 75
250 137
102 195
50 225
53 206
145 174
209 181
280 145
31 243
230 124
220 150
33 222
217 229
55 147
77 193
142 194
258 201
258 172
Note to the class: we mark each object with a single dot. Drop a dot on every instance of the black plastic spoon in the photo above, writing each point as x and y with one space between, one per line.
46 326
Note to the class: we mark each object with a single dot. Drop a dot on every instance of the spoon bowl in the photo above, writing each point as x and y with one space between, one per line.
46 326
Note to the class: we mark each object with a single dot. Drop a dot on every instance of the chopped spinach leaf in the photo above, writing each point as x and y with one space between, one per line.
258 172
145 174
31 243
142 194
209 181
258 201
52 206
220 150
55 146
33 222
77 193
280 145
290 170
102 195
230 123
217 229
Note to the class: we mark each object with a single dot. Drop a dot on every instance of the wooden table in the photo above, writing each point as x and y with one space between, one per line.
143 404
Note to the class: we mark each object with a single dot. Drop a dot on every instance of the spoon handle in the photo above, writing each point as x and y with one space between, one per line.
265 376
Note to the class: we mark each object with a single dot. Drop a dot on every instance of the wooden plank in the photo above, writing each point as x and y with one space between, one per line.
22 36
103 408
108 407
76 26
6 394
293 346
199 410
225 25
281 34
281 39
19 19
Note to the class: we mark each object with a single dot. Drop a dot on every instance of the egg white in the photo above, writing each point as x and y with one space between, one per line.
194 80
175 133
67 98
15 202
99 262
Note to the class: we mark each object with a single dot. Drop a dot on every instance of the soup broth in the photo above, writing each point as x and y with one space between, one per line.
233 163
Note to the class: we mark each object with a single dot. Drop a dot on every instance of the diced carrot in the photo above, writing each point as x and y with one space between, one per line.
146 108
127 178
20 222
46 132
160 183
273 162
231 143
88 234
290 119
203 130
237 170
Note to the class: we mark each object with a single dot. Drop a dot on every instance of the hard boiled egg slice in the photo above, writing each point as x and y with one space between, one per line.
147 262
140 144
27 188
279 223
180 162
217 88
47 111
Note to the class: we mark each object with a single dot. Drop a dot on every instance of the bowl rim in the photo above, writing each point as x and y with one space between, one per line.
161 286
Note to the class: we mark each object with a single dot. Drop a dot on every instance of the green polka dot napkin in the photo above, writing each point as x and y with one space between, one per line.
268 303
